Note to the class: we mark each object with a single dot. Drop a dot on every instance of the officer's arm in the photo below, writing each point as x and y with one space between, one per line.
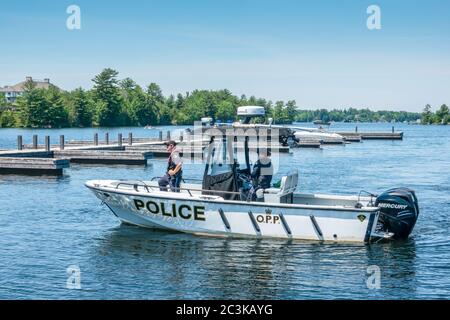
177 168
256 170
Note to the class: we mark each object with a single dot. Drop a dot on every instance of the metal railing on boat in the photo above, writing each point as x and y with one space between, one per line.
146 187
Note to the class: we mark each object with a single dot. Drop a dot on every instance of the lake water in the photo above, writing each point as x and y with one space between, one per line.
48 224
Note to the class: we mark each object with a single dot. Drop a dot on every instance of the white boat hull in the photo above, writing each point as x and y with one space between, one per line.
317 135
211 215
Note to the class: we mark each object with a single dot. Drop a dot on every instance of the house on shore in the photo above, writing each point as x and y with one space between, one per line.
15 91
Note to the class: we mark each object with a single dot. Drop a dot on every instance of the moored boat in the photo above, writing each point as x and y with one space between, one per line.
301 134
321 122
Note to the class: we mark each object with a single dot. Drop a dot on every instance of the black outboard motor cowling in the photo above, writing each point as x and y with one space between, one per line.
399 211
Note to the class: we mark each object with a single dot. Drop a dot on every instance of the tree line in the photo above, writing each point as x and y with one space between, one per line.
356 115
441 116
113 102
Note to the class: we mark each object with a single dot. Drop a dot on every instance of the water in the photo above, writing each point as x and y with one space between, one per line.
49 224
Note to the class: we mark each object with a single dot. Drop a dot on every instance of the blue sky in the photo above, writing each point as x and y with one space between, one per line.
319 53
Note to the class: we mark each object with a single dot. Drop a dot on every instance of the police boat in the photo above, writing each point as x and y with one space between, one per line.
221 206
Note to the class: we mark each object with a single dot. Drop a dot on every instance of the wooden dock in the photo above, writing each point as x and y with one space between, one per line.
333 141
33 166
188 149
161 151
26 154
47 159
353 138
271 148
52 159
104 156
372 135
309 144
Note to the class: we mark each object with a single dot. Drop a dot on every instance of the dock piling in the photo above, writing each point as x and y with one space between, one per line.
106 138
47 143
119 139
168 135
356 129
95 139
61 142
35 141
160 135
130 138
393 130
19 143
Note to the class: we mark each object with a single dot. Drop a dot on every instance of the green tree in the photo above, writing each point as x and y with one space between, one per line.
195 107
442 114
154 104
165 115
127 86
291 110
133 98
243 100
8 119
2 100
167 112
225 111
280 114
32 106
141 112
427 115
81 109
56 115
107 98
179 102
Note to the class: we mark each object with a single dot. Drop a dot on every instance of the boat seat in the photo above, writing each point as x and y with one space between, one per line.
285 193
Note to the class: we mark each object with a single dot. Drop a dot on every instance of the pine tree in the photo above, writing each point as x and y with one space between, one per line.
56 114
153 104
291 110
107 98
32 106
82 115
427 115
442 114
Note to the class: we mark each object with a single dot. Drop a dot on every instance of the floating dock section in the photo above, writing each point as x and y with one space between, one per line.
308 144
47 159
33 166
26 154
349 136
155 151
104 156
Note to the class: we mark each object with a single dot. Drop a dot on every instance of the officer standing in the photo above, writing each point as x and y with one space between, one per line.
174 172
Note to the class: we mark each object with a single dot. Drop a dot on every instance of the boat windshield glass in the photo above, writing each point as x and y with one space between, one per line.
221 160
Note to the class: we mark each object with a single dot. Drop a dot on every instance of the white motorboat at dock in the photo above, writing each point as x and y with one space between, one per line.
308 134
286 133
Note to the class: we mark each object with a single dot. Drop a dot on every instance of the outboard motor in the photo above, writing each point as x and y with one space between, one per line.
399 211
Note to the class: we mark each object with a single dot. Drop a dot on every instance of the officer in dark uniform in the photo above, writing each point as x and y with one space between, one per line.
262 171
174 172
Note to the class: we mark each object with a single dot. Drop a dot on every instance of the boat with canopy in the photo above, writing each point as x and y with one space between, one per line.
220 205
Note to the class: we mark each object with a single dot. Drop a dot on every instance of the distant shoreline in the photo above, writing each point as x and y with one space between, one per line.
114 102
158 127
